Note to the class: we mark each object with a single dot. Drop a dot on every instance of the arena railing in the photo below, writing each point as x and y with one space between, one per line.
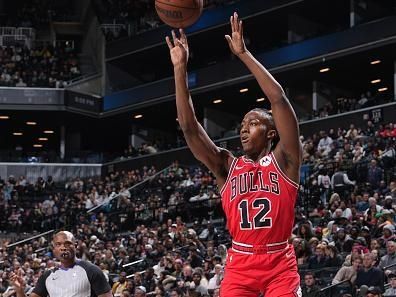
336 290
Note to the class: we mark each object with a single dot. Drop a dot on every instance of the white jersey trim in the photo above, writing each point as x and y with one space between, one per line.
233 163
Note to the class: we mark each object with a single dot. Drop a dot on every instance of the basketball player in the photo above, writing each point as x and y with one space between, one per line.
258 190
73 278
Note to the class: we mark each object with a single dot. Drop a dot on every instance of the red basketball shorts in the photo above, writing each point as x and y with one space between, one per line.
273 274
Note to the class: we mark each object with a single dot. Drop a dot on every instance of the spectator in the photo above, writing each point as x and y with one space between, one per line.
374 175
324 143
140 291
368 275
319 260
348 272
340 181
310 289
120 285
392 290
390 258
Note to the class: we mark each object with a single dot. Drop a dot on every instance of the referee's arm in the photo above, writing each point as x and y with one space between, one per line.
99 285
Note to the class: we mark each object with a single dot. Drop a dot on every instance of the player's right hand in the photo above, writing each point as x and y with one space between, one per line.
178 48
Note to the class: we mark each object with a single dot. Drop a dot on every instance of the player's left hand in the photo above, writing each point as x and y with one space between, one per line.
236 41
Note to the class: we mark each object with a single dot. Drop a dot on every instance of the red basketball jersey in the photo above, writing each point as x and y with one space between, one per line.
258 200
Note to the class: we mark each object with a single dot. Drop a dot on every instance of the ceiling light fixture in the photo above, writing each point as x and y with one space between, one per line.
17 133
43 139
138 116
48 132
375 62
37 145
375 81
382 89
217 101
4 117
260 99
31 123
324 70
243 90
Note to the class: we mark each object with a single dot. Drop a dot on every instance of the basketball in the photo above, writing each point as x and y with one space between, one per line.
179 13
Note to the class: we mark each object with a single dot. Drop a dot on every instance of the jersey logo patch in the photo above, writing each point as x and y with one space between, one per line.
265 161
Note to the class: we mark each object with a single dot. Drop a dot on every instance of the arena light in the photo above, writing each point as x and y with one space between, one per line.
31 123
382 89
138 116
37 145
375 81
43 139
375 62
217 101
4 117
48 132
324 70
260 99
243 90
17 133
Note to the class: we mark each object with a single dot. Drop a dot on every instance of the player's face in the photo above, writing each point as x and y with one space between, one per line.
64 247
254 133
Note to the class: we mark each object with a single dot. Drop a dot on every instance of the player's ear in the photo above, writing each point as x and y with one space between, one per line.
272 134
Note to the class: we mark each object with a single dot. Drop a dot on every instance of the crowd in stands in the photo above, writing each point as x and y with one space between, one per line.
46 66
343 104
344 228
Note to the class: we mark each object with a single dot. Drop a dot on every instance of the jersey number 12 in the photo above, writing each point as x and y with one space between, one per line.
260 220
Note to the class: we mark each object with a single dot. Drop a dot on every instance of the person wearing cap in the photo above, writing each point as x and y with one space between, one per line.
392 280
388 203
73 277
374 292
140 291
388 233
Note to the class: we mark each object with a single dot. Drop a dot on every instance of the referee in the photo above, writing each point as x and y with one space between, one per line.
74 278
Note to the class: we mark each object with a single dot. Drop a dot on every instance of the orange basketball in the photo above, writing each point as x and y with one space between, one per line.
179 13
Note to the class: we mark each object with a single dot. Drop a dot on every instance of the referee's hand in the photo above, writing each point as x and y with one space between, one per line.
18 282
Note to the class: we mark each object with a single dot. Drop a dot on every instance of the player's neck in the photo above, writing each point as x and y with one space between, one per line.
256 157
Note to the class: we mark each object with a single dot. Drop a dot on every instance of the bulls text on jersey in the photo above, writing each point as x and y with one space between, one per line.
254 181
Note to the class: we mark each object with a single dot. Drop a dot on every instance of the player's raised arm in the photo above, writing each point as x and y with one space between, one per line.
288 151
203 148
